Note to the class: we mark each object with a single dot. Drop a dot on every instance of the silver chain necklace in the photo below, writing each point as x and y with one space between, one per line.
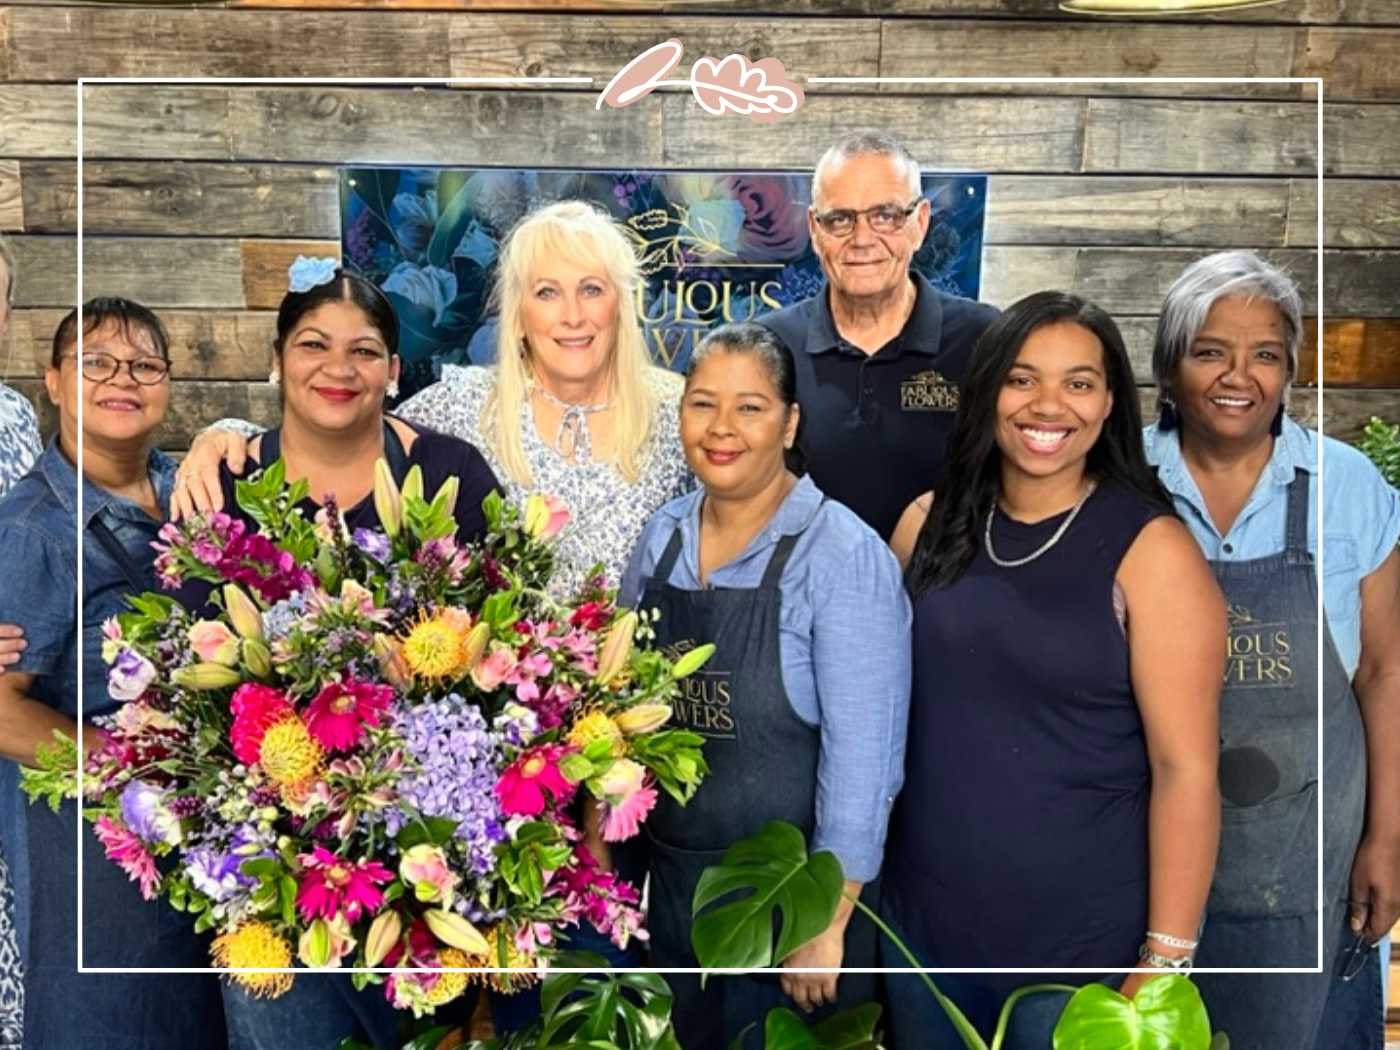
572 438
1033 555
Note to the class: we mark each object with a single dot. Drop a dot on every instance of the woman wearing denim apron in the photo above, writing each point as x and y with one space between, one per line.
803 704
122 380
1244 478
1060 808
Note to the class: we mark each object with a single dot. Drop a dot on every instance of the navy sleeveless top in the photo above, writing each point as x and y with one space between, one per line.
1020 838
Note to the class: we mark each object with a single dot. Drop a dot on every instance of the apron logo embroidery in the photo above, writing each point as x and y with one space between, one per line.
928 392
1259 654
704 703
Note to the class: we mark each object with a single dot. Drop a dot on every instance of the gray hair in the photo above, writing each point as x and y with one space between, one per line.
7 256
1207 280
869 143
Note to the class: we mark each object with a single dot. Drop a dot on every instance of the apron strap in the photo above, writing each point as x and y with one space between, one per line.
1295 537
774 572
108 542
667 561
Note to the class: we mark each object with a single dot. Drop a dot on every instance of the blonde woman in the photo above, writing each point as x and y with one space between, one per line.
572 406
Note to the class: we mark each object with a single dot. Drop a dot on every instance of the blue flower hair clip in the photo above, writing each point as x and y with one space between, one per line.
306 273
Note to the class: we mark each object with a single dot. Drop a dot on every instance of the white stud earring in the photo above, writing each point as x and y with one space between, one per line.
392 390
275 376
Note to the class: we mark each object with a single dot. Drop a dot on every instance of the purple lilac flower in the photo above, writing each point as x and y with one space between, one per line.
144 811
130 675
279 620
373 542
457 758
217 873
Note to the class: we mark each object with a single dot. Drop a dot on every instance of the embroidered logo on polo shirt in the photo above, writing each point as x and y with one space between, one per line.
1260 655
928 392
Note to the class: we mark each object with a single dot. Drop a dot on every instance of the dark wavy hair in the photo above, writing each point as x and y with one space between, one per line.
950 535
126 314
750 337
344 287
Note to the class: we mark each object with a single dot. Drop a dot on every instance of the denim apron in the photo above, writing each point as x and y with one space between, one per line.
1263 900
763 766
66 1009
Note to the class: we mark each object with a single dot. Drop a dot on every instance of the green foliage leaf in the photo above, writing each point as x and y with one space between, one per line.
1166 1014
1381 443
602 1010
774 878
676 757
54 775
852 1029
435 830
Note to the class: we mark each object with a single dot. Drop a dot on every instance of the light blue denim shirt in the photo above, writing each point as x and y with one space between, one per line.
39 566
845 643
1361 518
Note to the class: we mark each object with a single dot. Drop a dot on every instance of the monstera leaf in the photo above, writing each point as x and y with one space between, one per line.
849 1030
1166 1014
774 878
630 1010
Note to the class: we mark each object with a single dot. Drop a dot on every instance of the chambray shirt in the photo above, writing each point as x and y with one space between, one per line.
844 633
1361 515
39 567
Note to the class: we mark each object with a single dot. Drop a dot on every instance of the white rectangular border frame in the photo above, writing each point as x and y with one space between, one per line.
1317 82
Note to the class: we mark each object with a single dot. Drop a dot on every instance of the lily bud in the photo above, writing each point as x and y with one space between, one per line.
413 485
643 718
475 645
205 676
384 933
256 657
388 503
391 661
456 932
314 946
616 649
693 660
242 611
451 486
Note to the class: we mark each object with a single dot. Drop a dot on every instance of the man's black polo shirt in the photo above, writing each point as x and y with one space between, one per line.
875 425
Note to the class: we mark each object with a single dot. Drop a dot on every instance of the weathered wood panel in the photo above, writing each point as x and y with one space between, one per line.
192 198
1359 213
193 406
153 121
1358 283
160 272
1356 352
38 120
566 45
1346 412
265 266
1145 211
11 196
980 134
1355 63
1095 49
131 42
204 344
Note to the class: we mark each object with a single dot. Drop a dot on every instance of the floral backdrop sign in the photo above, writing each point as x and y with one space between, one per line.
714 247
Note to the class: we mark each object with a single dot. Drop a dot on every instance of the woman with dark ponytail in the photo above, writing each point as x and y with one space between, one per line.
1060 807
803 704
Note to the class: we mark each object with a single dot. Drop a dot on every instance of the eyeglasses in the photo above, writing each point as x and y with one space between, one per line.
98 367
883 218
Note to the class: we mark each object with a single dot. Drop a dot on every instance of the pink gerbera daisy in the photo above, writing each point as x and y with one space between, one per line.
337 717
523 787
331 886
130 854
256 708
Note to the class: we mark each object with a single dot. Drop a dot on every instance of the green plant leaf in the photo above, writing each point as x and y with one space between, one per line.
1220 1042
852 1029
784 1030
772 873
1166 1014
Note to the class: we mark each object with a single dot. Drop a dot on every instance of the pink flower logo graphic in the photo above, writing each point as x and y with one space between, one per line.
733 84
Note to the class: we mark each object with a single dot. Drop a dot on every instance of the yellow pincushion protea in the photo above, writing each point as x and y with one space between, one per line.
255 944
449 985
436 645
503 947
289 755
597 726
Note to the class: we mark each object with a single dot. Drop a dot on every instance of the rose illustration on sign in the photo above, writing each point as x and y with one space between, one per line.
732 84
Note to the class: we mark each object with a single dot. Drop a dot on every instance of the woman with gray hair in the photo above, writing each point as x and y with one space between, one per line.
1245 479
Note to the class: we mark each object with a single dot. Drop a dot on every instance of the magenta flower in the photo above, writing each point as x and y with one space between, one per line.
130 854
337 717
331 886
525 787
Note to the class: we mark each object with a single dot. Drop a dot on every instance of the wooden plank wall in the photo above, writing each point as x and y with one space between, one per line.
197 195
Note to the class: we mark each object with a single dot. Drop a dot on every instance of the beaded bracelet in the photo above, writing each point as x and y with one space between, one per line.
1163 962
1172 942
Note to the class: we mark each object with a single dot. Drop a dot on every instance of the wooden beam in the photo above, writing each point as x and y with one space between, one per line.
1357 64
265 266
160 272
1356 352
11 197
38 120
1359 213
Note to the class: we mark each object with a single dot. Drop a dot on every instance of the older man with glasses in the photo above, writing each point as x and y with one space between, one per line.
879 351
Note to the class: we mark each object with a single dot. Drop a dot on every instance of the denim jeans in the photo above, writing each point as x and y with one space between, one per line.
1354 1017
315 1014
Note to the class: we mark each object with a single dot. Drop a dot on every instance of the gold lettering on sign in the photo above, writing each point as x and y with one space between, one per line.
689 308
928 392
1259 655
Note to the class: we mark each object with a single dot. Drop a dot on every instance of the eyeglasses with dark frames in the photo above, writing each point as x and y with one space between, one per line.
883 218
99 367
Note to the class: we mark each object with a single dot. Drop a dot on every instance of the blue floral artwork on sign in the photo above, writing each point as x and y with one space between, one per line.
713 246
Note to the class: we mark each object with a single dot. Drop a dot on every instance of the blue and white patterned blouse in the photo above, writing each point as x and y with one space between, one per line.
607 513
19 437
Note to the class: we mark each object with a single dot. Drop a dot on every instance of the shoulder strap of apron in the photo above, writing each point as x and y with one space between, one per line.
1295 537
270 449
103 535
662 572
776 564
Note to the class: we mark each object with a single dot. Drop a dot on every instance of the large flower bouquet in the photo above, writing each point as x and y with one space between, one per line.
379 749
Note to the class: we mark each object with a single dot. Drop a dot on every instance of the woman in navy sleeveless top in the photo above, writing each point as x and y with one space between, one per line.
1060 806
